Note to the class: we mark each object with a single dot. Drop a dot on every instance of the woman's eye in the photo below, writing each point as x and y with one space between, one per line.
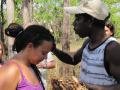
44 53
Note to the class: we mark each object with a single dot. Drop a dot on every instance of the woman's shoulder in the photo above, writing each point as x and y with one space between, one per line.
9 75
9 69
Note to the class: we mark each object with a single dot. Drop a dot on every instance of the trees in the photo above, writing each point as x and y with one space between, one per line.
10 19
1 21
114 8
27 11
50 13
65 41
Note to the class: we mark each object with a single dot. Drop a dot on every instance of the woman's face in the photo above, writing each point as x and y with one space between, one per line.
37 54
108 32
81 25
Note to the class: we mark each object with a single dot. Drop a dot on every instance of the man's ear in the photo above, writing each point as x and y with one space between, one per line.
91 22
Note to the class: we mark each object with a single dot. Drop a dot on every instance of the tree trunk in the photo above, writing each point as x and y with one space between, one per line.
2 36
66 30
27 11
1 23
65 70
10 19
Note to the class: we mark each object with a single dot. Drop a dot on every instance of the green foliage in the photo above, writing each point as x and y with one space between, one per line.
114 8
50 13
47 10
18 14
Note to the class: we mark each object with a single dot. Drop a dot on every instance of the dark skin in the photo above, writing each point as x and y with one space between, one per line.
84 27
113 58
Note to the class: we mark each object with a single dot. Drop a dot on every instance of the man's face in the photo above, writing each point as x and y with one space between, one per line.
80 25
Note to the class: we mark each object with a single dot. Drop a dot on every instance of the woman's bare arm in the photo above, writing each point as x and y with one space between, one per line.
9 77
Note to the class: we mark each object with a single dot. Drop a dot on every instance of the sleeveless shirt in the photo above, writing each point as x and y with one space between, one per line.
92 69
26 85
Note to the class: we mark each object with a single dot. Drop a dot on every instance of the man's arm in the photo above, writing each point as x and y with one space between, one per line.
78 54
70 58
63 56
113 59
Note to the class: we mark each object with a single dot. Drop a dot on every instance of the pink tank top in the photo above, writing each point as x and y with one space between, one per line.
26 85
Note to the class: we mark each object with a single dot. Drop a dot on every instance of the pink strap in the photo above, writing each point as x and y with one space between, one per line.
18 68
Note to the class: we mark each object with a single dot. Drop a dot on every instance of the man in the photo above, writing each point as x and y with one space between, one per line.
100 61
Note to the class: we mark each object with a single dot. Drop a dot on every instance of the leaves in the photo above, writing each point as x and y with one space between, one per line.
114 6
50 12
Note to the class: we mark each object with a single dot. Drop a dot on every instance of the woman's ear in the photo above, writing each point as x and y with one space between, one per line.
30 45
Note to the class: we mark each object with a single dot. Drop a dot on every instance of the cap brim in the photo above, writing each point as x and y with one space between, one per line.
73 10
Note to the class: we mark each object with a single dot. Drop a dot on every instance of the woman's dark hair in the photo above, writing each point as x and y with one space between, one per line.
110 26
13 29
38 74
34 34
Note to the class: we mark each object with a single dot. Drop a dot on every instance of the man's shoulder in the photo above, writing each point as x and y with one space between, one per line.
113 51
112 45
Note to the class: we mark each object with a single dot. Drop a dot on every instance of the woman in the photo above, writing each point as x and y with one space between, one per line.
109 28
32 46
